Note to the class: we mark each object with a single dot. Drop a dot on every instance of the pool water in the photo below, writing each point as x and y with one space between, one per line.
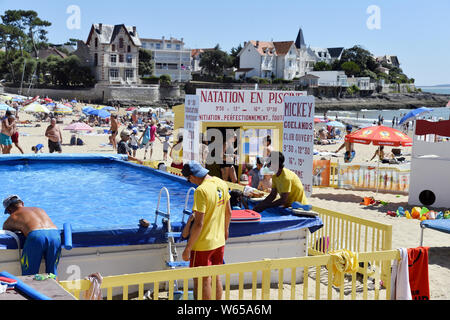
92 195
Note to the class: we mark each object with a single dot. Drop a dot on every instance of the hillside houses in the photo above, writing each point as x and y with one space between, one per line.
282 59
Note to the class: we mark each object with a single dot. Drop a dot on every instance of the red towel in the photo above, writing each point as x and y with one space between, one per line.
418 273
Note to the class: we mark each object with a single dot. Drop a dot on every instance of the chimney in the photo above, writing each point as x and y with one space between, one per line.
257 43
100 27
134 30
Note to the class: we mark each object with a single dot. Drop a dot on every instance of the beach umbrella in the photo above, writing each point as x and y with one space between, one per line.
108 108
130 109
62 109
414 113
51 104
48 100
148 109
380 136
17 100
35 107
6 97
100 113
79 126
86 110
335 124
5 107
74 101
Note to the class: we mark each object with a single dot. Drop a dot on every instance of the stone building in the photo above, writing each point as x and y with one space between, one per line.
112 51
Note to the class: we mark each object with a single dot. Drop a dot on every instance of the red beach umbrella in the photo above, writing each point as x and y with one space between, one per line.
131 109
380 136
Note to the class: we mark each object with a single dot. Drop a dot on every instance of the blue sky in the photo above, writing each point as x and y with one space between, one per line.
416 31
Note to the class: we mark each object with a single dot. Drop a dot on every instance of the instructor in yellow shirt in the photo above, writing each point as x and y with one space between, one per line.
285 183
212 216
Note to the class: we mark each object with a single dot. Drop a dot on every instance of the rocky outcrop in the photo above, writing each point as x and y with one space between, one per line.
384 101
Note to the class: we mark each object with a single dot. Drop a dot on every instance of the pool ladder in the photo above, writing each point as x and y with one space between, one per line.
171 236
172 262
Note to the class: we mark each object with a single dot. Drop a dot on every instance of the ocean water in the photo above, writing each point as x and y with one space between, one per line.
440 90
365 117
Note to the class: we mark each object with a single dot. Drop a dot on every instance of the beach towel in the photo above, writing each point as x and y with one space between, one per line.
418 273
344 261
400 288
95 291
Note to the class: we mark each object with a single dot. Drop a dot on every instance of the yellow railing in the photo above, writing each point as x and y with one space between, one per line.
343 231
317 281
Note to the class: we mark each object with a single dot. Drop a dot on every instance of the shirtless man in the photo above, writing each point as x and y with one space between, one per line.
7 132
43 238
53 133
349 151
114 130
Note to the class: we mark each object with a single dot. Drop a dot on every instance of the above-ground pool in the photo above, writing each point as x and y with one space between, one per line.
103 197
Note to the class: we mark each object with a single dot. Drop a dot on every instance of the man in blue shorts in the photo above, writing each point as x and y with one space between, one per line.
43 239
349 151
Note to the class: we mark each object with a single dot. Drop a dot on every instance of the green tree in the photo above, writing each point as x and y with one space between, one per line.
215 61
322 66
234 56
146 63
362 57
351 68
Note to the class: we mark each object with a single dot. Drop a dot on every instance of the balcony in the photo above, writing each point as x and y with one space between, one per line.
110 64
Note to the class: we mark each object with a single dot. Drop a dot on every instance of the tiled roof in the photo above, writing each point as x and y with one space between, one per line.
196 52
109 33
283 47
267 47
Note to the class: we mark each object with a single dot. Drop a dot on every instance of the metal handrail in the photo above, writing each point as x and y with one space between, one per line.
12 234
185 211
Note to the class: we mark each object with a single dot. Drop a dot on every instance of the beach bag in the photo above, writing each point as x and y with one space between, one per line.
80 142
73 141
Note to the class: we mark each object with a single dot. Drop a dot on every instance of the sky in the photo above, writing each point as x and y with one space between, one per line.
416 31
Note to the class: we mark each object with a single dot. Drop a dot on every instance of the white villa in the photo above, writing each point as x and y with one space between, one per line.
113 53
282 59
170 56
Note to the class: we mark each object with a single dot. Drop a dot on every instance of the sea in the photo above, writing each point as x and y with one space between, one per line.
366 117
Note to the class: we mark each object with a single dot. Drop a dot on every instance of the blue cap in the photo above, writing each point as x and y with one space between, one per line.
349 127
195 169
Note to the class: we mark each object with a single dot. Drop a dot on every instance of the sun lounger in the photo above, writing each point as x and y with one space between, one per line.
442 225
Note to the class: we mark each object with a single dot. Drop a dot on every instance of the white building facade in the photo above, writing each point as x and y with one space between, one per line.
282 59
171 58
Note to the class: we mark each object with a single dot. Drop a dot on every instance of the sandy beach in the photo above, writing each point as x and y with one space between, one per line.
406 233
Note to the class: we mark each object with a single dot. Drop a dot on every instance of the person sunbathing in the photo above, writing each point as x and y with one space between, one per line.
382 156
323 138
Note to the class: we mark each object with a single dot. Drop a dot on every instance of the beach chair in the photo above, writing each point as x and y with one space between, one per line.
442 225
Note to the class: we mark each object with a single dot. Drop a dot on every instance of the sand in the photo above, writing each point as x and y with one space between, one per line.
406 233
